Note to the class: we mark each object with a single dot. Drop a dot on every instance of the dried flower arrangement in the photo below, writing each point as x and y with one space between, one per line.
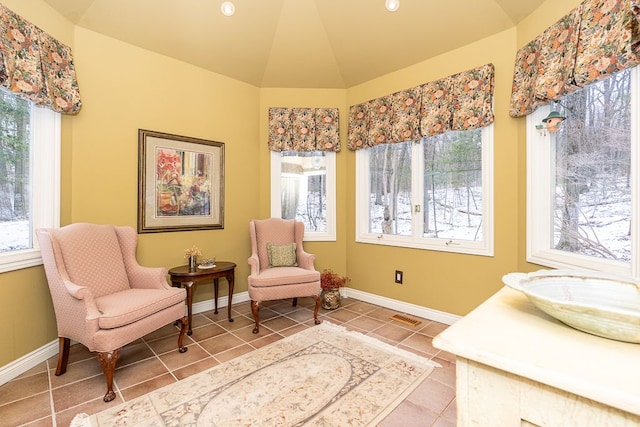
329 279
192 251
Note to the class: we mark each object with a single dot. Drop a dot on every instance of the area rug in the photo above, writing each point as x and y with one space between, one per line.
322 376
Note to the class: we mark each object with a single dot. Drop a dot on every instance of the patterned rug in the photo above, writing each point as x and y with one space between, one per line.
322 376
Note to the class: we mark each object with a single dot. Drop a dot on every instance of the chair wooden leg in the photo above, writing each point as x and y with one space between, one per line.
183 329
108 361
315 311
255 307
295 302
63 355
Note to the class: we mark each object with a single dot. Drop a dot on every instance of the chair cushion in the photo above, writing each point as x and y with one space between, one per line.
282 255
122 308
283 276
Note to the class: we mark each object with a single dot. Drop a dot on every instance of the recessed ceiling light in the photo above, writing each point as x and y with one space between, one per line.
392 5
229 9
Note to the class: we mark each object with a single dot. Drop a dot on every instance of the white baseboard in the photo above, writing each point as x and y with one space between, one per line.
203 306
404 307
19 366
26 362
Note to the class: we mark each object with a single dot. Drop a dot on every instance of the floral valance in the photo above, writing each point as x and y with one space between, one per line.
304 129
458 102
593 41
35 66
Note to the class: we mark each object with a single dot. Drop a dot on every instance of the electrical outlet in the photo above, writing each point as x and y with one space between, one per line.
398 276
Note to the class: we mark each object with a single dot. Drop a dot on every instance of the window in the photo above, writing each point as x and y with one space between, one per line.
303 187
582 183
29 178
435 193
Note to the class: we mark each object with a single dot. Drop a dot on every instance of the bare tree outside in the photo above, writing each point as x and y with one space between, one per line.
303 186
452 187
390 184
14 171
592 211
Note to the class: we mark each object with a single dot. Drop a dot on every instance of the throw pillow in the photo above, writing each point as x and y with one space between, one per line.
282 255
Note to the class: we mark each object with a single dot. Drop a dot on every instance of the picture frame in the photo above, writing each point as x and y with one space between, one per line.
180 183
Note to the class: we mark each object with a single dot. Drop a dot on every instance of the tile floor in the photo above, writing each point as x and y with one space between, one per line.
39 398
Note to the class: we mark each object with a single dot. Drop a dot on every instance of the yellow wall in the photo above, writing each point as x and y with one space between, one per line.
125 88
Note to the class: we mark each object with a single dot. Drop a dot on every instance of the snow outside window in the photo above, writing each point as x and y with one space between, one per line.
29 179
582 181
435 193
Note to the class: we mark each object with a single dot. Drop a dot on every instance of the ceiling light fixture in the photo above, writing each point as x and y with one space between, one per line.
228 8
392 5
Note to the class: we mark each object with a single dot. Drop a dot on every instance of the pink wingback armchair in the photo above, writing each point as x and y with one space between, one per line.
267 282
102 297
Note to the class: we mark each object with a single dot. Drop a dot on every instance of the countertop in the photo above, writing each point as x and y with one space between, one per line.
509 333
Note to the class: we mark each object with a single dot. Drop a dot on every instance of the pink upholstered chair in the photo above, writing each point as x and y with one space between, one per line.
280 268
101 296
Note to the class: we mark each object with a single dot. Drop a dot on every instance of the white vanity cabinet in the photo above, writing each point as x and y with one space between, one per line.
517 366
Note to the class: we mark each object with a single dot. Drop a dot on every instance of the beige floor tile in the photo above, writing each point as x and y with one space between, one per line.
175 360
279 323
432 395
261 342
195 368
409 414
357 306
392 332
233 353
420 342
365 323
76 393
246 334
154 361
21 411
242 321
207 331
139 372
302 314
221 343
147 386
340 316
24 386
76 372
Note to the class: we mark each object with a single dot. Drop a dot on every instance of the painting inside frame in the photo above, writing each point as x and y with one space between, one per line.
180 183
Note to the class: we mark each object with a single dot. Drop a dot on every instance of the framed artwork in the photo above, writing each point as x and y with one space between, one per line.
180 183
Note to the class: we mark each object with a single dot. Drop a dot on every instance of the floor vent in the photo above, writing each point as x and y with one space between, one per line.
405 319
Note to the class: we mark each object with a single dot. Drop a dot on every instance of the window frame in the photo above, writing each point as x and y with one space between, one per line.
276 202
44 185
416 240
539 148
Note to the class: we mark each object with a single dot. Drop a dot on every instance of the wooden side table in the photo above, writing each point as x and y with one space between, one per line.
183 276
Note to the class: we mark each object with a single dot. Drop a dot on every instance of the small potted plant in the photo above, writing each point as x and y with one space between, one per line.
331 282
192 255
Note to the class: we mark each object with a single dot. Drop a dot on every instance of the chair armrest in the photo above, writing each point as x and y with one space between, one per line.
141 277
254 264
305 259
84 294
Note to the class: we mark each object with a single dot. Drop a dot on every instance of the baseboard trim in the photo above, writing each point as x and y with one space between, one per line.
23 364
404 307
28 361
202 306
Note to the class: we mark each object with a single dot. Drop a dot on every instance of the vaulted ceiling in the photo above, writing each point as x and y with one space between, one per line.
297 43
